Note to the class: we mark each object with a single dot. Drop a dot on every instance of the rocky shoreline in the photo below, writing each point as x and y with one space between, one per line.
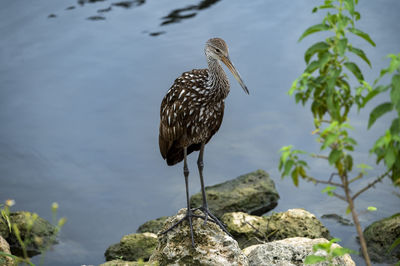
284 238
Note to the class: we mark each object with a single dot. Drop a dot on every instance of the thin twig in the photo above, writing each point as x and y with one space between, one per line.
320 156
318 181
339 196
370 185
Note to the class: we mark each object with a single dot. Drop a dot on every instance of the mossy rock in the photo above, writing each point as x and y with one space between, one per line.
253 193
380 235
296 223
36 232
250 230
152 226
133 247
4 230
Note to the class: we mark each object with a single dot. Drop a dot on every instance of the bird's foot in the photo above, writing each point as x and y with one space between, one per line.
189 216
209 216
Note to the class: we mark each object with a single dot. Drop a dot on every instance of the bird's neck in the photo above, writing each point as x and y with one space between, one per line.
218 83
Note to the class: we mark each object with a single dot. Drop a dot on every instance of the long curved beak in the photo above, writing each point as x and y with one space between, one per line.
235 73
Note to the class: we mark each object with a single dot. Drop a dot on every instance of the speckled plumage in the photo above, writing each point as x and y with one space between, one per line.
191 113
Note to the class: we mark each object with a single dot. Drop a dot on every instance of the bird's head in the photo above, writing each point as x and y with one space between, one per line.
216 48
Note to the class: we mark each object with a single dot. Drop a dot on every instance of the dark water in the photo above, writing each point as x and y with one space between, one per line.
81 85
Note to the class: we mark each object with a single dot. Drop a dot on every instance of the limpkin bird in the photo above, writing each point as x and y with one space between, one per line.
191 113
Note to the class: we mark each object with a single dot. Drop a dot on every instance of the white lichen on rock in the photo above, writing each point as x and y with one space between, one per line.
212 245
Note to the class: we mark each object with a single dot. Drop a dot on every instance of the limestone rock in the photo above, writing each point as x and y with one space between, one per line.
246 229
5 260
41 233
380 235
133 247
290 251
152 226
250 230
212 245
296 223
253 193
127 263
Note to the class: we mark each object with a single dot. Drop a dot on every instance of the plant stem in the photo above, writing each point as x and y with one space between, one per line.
370 185
355 220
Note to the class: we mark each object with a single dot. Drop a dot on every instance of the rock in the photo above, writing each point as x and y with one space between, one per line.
96 18
133 247
253 193
290 251
246 229
152 226
380 235
212 245
39 232
5 248
249 230
338 219
126 263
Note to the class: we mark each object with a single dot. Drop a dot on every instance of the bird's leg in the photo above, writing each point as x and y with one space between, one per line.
189 213
204 208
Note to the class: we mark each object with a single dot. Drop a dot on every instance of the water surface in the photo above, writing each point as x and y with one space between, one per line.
81 85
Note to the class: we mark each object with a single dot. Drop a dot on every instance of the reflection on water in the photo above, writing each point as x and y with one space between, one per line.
175 16
179 14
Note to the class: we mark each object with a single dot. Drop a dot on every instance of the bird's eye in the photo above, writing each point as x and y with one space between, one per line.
218 50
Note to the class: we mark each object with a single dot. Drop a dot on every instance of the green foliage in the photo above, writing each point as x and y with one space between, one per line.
31 219
387 147
331 253
290 163
326 86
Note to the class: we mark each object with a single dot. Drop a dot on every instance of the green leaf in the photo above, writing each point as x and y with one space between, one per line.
312 67
354 69
372 208
395 92
360 53
322 246
390 156
363 35
334 156
348 162
395 127
288 167
378 111
395 244
335 240
313 29
315 48
312 259
342 46
349 4
339 251
295 177
328 190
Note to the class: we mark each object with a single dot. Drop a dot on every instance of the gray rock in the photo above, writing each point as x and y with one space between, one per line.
380 235
338 218
38 233
5 248
127 263
253 193
152 226
290 251
250 230
133 247
213 246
